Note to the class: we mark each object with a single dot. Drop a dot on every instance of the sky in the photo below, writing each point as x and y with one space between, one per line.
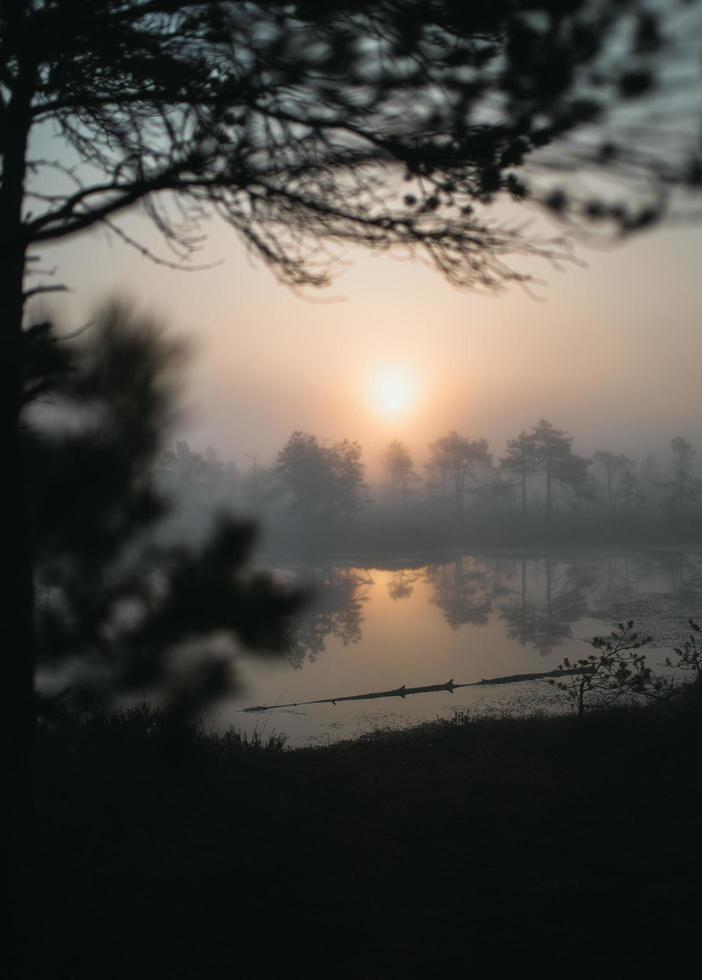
610 350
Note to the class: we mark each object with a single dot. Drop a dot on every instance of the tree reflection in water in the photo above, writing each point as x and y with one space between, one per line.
402 582
465 590
660 591
538 599
684 572
544 620
336 610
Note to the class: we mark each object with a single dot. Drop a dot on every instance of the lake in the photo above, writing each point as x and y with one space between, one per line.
466 618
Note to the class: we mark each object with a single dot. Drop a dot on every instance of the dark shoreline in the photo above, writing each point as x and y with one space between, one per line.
399 854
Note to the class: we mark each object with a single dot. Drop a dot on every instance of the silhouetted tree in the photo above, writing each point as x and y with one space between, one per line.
324 481
630 492
494 492
650 475
684 489
573 474
303 471
197 484
521 459
458 462
400 470
349 489
260 486
185 471
552 450
115 605
613 466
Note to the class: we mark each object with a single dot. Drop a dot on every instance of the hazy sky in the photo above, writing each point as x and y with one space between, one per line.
611 353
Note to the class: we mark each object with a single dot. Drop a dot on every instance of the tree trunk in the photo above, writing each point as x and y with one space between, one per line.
548 491
524 499
17 586
458 490
17 702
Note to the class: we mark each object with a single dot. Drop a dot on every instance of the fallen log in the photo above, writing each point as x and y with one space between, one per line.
404 691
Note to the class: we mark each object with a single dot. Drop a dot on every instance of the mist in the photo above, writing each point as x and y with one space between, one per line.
608 347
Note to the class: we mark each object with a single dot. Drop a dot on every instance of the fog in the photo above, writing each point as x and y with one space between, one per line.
315 498
605 347
609 349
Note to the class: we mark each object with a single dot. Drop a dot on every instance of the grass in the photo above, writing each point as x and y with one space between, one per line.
419 852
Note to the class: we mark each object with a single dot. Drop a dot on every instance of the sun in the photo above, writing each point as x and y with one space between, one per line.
393 390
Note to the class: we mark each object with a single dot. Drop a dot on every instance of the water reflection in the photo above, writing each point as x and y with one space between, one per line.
684 573
551 598
336 610
467 618
537 599
660 591
466 588
402 582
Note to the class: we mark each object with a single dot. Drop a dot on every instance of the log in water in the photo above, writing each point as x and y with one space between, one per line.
404 691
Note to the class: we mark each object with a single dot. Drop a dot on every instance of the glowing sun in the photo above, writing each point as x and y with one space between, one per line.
393 390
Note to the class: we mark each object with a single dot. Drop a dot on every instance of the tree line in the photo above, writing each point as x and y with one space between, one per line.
538 478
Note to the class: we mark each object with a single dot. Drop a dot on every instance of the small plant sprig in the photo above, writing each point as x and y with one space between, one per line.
689 655
616 670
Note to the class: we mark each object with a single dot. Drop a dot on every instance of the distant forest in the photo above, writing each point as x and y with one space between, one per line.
315 496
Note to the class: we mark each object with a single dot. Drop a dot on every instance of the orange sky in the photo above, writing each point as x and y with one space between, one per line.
612 353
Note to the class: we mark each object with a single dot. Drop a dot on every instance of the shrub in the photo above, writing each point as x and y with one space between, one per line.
618 671
689 656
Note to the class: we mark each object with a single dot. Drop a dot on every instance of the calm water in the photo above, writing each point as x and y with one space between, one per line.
473 617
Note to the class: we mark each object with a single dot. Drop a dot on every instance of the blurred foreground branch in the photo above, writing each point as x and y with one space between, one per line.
117 611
